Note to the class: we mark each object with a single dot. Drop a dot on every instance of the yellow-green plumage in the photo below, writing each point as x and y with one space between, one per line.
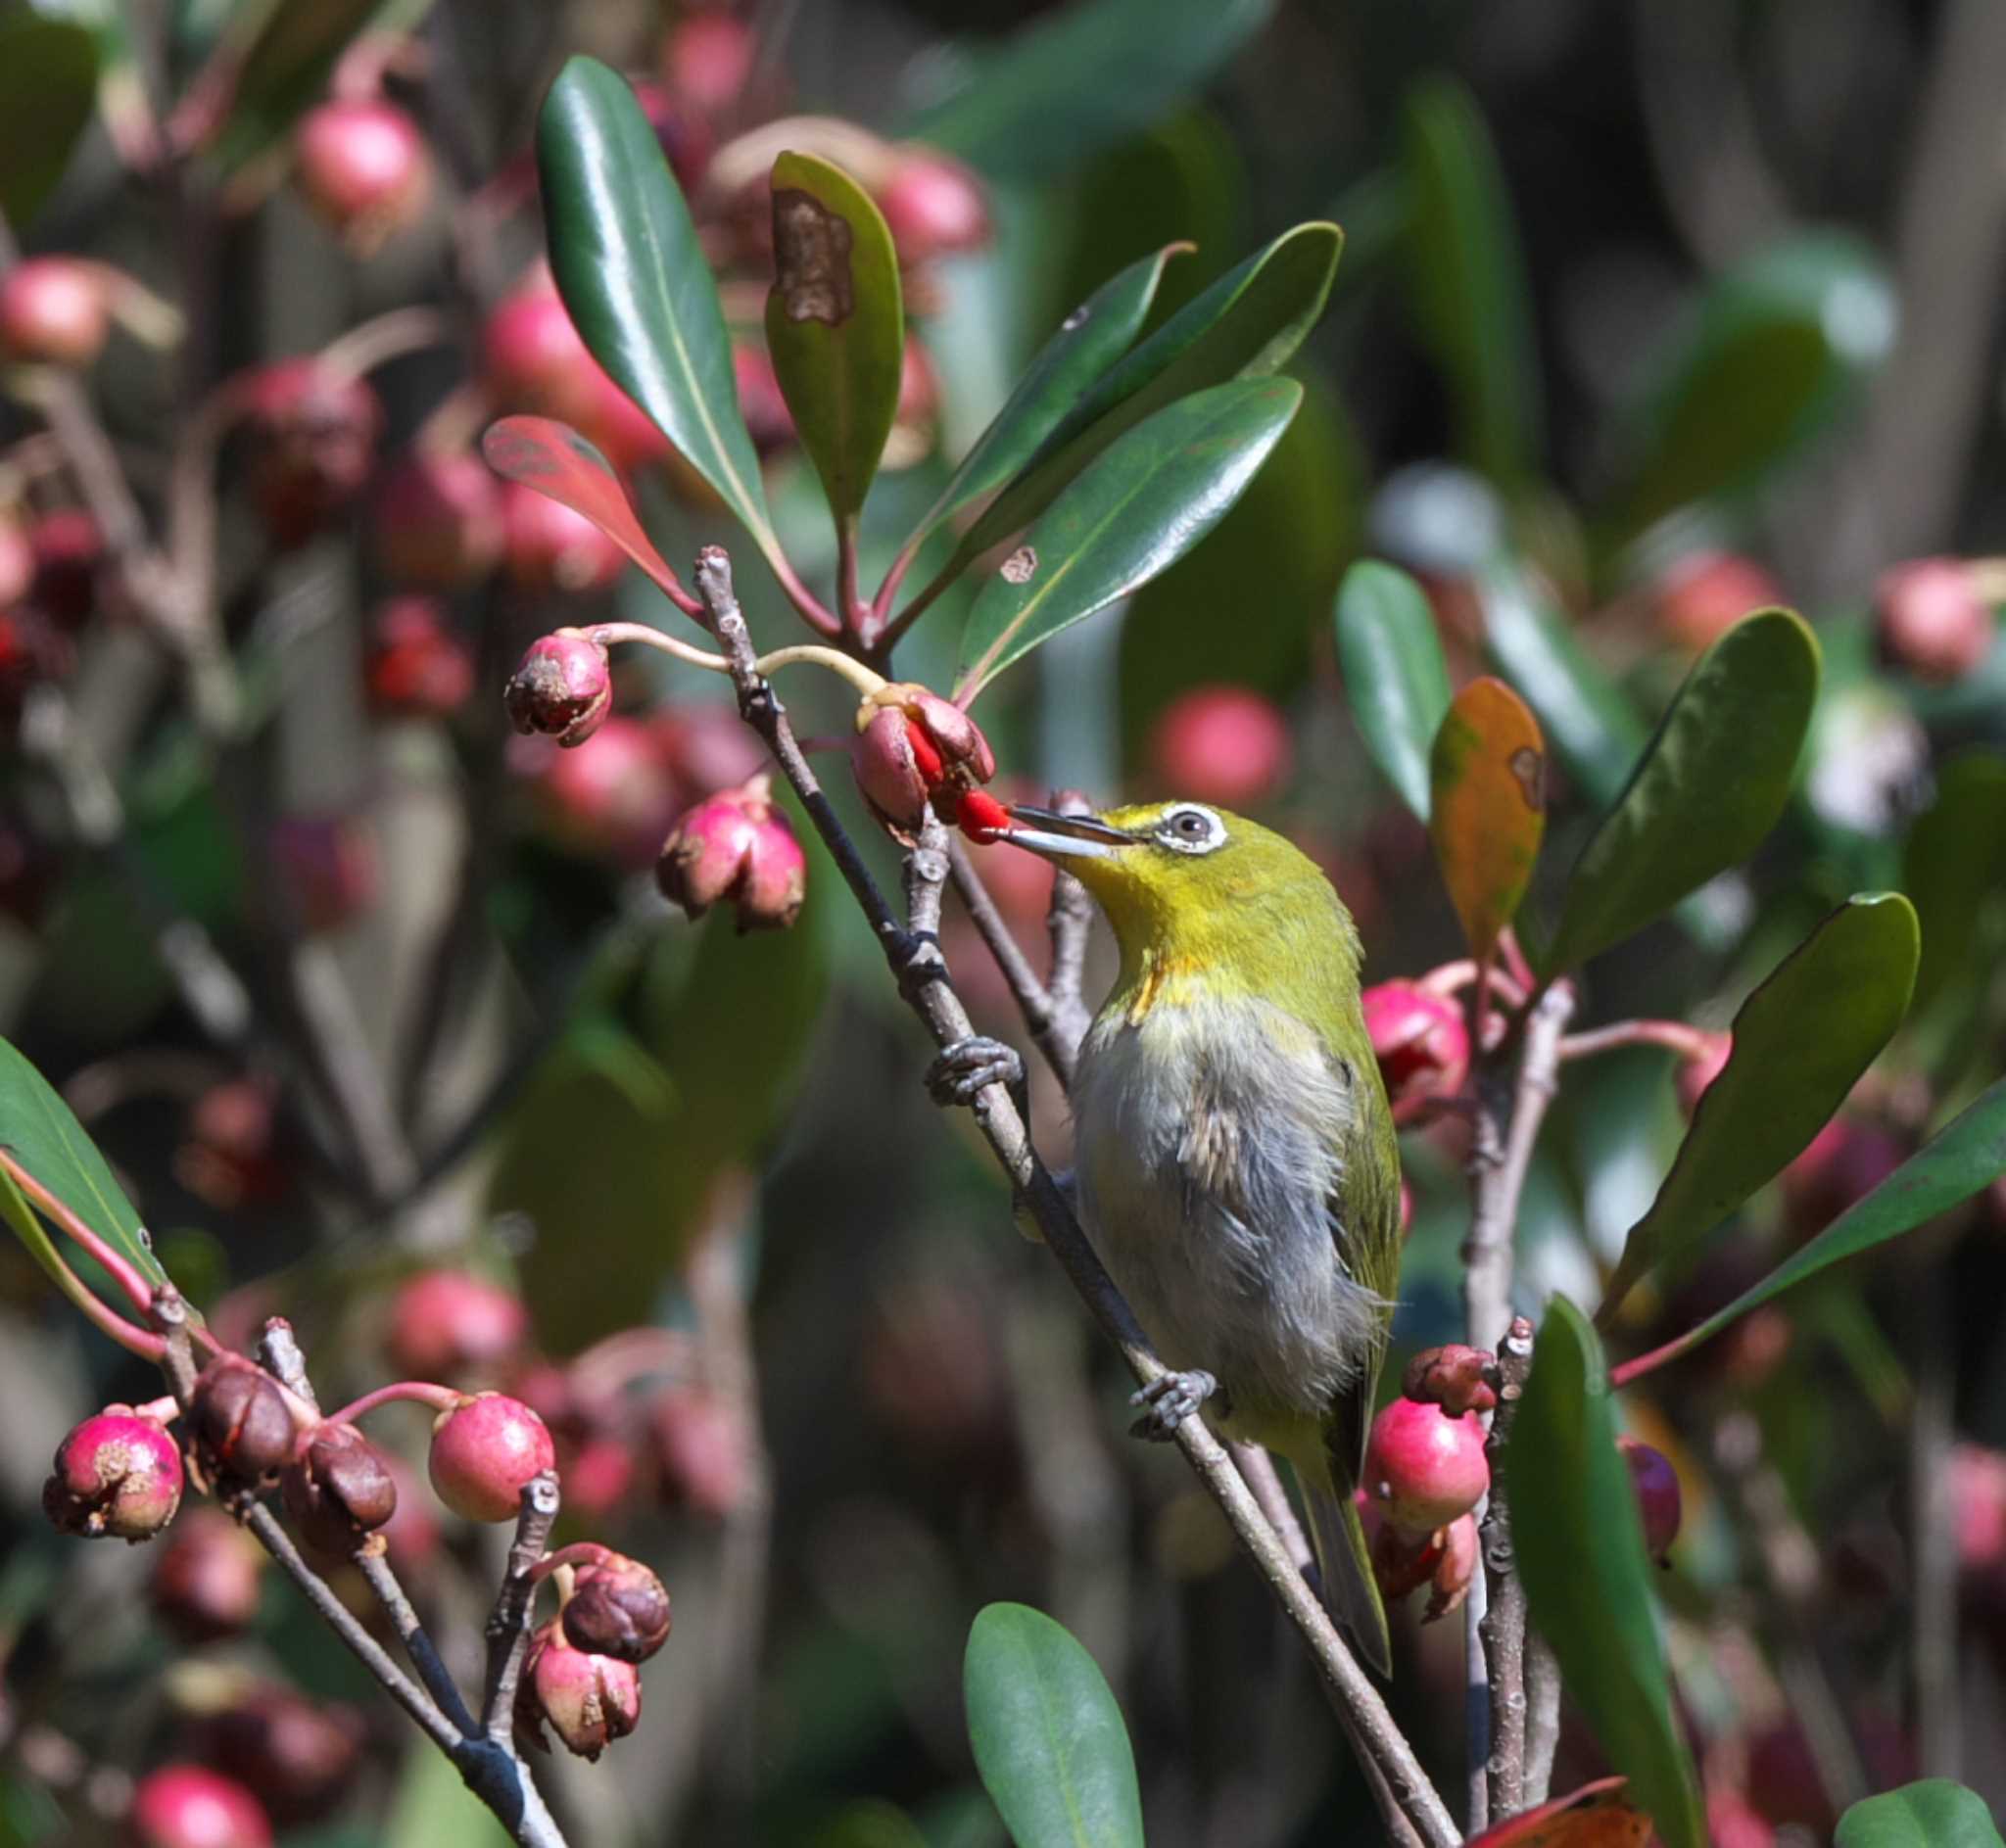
1236 1163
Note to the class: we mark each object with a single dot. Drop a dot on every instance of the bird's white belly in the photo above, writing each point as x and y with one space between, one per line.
1208 1150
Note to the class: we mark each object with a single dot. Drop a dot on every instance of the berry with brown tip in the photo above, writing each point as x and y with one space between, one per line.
562 688
588 1700
117 1476
1456 1377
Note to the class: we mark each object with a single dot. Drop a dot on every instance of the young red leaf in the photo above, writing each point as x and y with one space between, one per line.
1488 806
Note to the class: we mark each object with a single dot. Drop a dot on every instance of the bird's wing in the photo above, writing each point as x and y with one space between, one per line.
1363 1212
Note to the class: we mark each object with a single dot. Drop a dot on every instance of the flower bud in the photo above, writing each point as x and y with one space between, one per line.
53 311
563 688
444 1324
206 1581
617 1608
416 666
1223 744
547 547
737 846
117 1475
1455 1565
1703 595
1657 1495
485 1452
1930 620
338 1490
588 1700
913 746
933 207
296 1756
1456 1377
437 522
239 1422
364 168
1420 1039
311 435
1423 1467
190 1806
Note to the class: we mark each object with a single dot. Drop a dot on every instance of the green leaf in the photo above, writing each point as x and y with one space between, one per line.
1143 504
634 278
1799 1044
1774 349
1394 673
1963 1159
48 90
42 1134
835 323
1081 80
1580 1544
1954 862
1487 806
1048 1737
1593 727
1710 784
1934 1813
1468 279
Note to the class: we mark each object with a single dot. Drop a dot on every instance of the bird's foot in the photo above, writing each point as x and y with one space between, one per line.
1169 1400
968 1067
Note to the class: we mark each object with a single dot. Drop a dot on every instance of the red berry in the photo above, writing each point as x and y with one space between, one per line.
447 1323
190 1806
206 1580
1424 1468
982 818
615 799
1930 620
437 521
1702 596
311 433
417 666
364 168
933 207
707 58
1658 1504
1223 744
588 1700
546 547
485 1452
563 688
735 845
53 311
118 1475
617 1608
1420 1039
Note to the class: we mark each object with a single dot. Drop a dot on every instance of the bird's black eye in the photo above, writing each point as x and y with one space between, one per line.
1191 831
1190 825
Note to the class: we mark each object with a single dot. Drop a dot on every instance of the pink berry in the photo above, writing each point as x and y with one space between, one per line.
485 1452
53 311
208 1578
1930 620
1846 1161
563 688
1658 1503
328 868
546 547
704 1452
534 359
708 748
1977 1487
417 666
364 168
117 1475
446 1323
1702 596
1420 1038
190 1806
1223 744
296 1756
312 435
761 402
614 799
735 845
17 560
588 1700
933 207
707 57
617 1608
1424 1468
437 521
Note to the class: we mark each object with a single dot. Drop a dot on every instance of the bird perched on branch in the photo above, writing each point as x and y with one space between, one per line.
1236 1167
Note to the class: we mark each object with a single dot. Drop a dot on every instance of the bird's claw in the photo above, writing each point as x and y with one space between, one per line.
1170 1399
968 1067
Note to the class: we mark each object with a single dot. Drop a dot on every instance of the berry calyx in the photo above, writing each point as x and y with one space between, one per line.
117 1476
617 1608
737 846
1423 1467
588 1700
485 1452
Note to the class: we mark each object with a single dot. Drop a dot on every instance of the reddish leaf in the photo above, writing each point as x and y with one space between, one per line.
1593 1817
556 461
1487 812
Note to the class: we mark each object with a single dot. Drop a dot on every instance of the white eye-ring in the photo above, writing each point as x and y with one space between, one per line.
1190 829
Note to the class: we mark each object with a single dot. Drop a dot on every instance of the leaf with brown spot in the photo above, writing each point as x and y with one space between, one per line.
835 323
1593 1817
1487 806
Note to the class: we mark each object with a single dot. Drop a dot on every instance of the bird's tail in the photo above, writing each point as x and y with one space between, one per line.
1344 1561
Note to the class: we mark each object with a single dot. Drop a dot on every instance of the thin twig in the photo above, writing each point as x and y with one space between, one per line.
1069 922
508 1626
922 975
1502 1629
1032 1000
1264 1480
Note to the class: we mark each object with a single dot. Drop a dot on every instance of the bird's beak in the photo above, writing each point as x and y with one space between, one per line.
1063 837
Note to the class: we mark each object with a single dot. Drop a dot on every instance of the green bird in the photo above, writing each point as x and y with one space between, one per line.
1236 1162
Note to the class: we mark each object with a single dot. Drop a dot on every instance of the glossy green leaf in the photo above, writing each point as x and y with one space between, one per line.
1710 784
1394 673
1152 497
1587 1579
633 278
42 1134
1593 727
1487 806
1048 1736
1773 350
1468 279
1799 1044
1955 863
1933 1812
48 90
835 323
1962 1160
1081 78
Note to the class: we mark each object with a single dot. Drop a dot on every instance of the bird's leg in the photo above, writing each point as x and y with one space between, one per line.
1170 1399
961 1073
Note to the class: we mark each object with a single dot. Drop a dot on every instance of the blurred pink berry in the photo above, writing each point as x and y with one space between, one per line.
708 748
485 1452
1223 744
69 548
613 800
206 1578
1658 1501
1424 1468
1703 595
53 311
1845 1163
447 1323
190 1806
1977 1487
562 688
933 207
17 560
547 547
707 56
437 521
310 437
327 867
704 1452
1420 1038
296 1756
1930 620
735 845
118 1475
362 166
761 402
417 665
588 1700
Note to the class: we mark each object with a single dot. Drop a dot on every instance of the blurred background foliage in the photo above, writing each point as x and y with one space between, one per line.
1648 315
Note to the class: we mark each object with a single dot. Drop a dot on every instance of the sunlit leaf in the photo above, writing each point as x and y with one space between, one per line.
1392 673
1934 1813
1587 1579
1487 806
1954 863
